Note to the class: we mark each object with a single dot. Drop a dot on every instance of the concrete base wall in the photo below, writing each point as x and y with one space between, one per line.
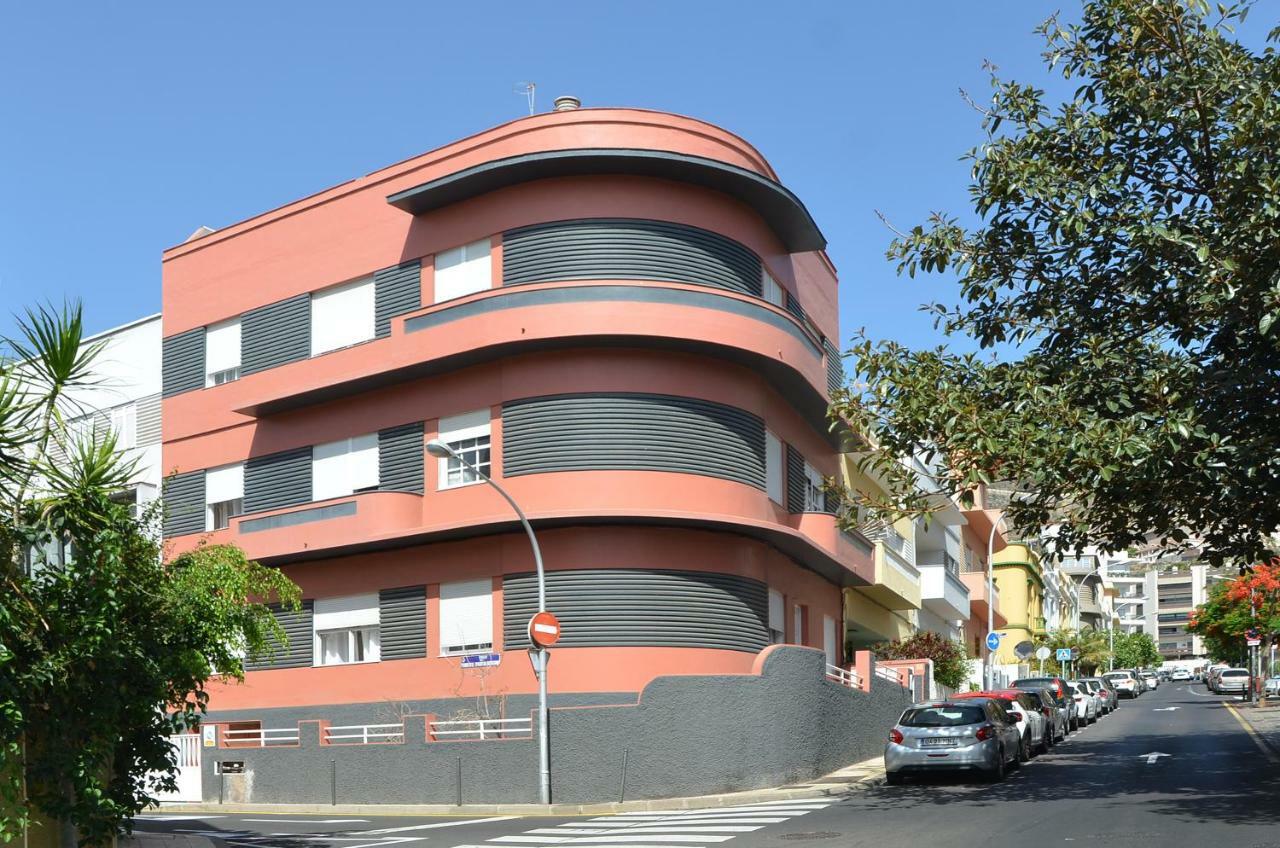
686 735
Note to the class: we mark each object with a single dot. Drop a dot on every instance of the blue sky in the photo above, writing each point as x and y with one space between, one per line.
128 125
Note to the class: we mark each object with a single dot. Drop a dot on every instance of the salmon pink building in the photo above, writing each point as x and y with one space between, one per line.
622 316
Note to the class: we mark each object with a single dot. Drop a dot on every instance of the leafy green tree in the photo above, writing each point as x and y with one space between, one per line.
1136 650
1121 279
1093 647
950 656
1249 602
105 649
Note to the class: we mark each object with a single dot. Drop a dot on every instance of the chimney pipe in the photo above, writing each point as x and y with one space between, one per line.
566 103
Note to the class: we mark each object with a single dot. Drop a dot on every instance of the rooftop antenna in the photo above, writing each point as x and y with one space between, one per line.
527 89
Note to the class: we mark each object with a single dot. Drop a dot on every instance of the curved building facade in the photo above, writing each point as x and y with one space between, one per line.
621 315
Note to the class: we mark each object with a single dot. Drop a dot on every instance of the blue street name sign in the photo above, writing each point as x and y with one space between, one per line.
1064 654
993 641
480 660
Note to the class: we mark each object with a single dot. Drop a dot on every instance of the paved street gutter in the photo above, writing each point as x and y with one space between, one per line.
848 779
1262 724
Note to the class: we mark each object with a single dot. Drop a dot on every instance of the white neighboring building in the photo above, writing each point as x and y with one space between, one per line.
126 400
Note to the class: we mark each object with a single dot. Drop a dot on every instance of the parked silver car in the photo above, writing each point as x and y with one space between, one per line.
942 736
1101 688
1272 687
1233 681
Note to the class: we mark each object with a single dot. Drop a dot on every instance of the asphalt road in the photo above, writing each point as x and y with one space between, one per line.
1214 787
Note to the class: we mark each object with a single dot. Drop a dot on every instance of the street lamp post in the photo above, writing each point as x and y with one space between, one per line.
991 609
539 654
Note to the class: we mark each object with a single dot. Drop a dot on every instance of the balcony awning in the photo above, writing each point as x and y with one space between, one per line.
779 207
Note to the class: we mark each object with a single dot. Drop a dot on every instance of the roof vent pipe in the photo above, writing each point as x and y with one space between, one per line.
567 103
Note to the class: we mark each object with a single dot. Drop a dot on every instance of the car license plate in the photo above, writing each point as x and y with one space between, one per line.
938 742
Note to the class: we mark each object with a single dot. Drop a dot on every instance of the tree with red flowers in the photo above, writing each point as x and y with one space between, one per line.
1251 601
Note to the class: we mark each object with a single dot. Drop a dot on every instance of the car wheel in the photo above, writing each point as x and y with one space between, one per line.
893 778
1024 751
1044 741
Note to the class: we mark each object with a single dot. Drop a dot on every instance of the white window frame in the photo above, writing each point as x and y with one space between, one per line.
775 464
342 316
226 484
771 291
222 352
356 616
472 599
814 497
455 429
344 467
124 425
463 270
777 618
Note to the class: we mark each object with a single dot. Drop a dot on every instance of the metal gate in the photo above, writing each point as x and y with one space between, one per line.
186 752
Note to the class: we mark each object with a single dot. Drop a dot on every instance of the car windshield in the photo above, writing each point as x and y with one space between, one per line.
943 715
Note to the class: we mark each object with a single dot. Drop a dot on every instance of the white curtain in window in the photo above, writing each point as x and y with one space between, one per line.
798 625
773 467
777 612
224 484
466 614
772 291
829 638
222 346
341 316
340 468
462 270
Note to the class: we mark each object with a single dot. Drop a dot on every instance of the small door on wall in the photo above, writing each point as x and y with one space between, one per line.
829 639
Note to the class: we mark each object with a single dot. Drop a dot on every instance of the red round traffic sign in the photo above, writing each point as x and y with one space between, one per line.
544 629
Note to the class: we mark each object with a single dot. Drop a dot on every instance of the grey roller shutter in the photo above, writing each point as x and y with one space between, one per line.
275 334
395 291
184 504
297 627
622 607
626 249
277 480
148 421
794 307
795 480
402 622
835 366
632 432
401 456
182 362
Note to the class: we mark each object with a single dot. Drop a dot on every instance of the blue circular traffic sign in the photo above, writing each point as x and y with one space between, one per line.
993 641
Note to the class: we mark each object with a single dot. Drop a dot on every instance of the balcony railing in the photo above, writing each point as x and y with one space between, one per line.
879 531
972 565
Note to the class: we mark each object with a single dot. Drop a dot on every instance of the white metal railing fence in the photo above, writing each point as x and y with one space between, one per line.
844 676
888 674
363 734
186 749
262 737
483 728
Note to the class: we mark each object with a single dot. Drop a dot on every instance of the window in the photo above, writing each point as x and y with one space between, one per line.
466 617
797 625
344 467
815 500
777 618
222 353
341 316
124 424
223 495
772 291
463 270
468 434
829 638
346 630
773 466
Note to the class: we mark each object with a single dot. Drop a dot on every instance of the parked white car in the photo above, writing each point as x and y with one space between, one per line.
1180 675
1126 685
1233 681
1272 687
1087 704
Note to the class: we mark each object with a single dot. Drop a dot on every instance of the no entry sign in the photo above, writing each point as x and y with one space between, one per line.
544 630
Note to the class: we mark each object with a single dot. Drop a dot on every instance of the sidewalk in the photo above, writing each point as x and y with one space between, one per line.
1263 724
861 775
139 839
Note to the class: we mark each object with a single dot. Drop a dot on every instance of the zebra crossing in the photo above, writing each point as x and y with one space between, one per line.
662 829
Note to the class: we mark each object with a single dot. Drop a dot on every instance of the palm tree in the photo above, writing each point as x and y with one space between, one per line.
1092 646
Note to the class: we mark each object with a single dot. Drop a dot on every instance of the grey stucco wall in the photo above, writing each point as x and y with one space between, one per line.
686 735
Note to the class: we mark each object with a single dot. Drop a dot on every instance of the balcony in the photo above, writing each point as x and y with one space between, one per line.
941 589
976 583
897 581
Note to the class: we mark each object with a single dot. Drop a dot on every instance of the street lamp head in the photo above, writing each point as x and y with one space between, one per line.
439 449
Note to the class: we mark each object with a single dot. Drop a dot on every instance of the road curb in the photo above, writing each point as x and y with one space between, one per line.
867 774
1268 748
